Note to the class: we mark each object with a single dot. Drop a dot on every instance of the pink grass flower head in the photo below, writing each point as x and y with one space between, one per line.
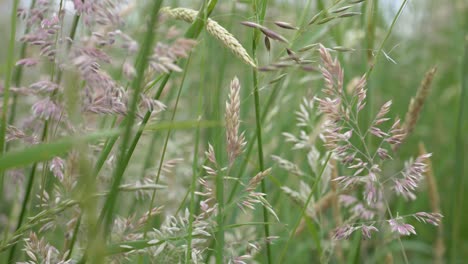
397 226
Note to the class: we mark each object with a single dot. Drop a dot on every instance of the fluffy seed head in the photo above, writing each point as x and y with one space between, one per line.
235 141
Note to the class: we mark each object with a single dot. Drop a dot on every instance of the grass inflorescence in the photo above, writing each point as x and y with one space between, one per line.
232 132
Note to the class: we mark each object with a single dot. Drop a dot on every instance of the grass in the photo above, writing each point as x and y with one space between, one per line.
130 159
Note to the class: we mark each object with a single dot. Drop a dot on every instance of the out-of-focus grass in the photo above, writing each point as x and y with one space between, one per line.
428 33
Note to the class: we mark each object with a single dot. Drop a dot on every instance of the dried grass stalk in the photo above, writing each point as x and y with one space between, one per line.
434 200
389 259
417 102
214 29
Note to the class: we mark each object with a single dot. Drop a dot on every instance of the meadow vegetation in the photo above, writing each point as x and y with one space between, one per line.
249 131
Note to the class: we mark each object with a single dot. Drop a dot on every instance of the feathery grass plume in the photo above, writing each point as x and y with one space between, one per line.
235 142
366 164
250 197
215 29
313 208
300 197
417 102
434 199
287 165
255 181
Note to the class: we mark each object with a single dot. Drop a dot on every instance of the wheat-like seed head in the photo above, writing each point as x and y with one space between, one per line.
235 141
215 29
417 102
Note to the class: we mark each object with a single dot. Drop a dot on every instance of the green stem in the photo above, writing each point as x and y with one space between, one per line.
166 141
193 185
7 85
18 74
74 238
260 11
220 218
370 92
306 204
137 87
27 196
34 167
379 51
163 155
459 182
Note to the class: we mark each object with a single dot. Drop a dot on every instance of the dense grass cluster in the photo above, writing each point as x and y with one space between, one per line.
312 131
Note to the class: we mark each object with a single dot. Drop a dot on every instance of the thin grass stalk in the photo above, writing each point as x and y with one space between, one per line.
24 205
200 173
166 141
370 93
336 209
74 238
137 86
434 201
58 80
217 103
459 157
33 171
33 221
111 141
89 204
402 247
306 204
370 29
195 30
222 67
6 90
150 151
219 242
193 184
191 33
267 105
74 27
370 42
382 44
260 10
18 74
260 157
